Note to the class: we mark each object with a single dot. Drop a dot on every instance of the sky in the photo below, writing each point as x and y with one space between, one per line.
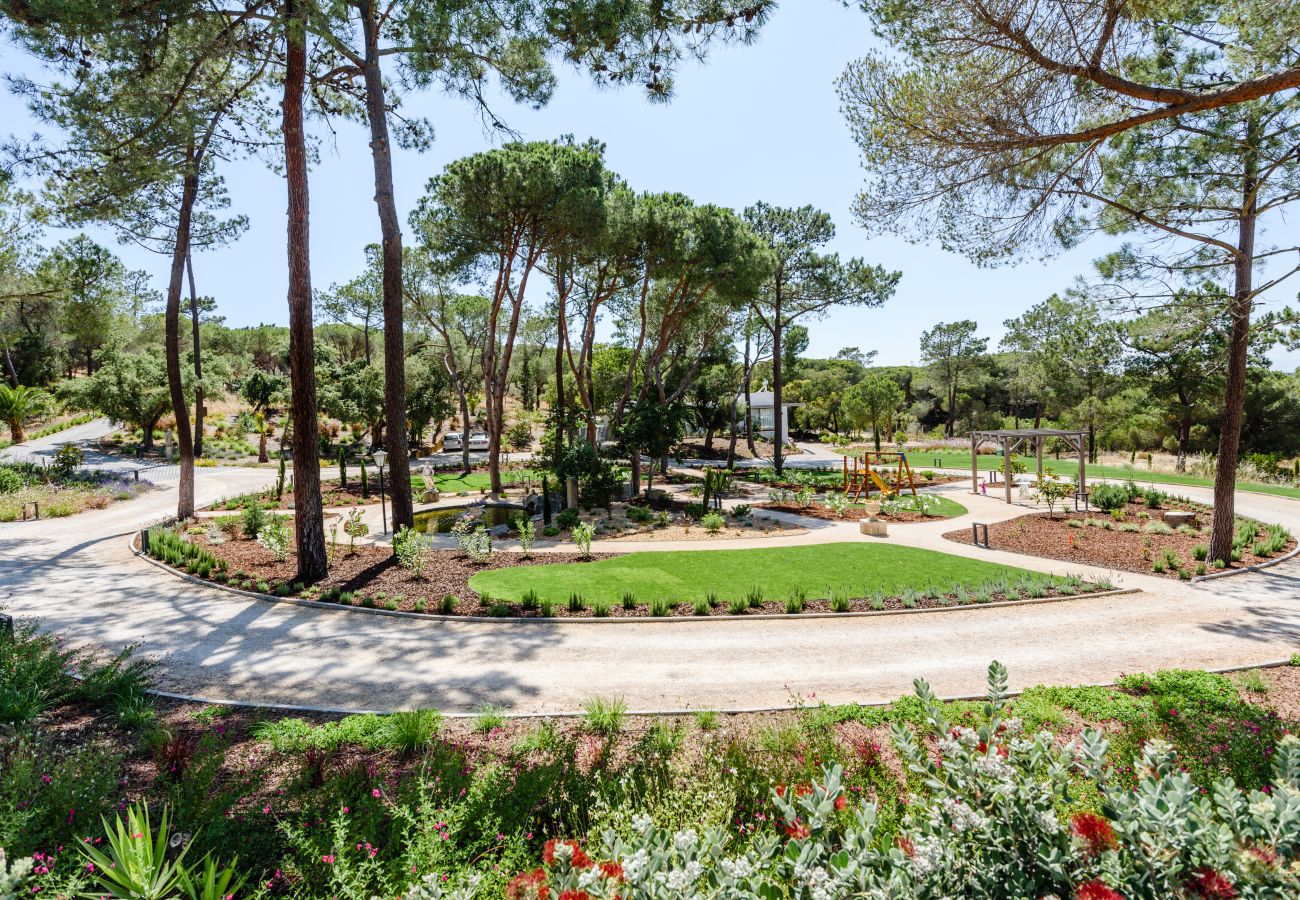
758 122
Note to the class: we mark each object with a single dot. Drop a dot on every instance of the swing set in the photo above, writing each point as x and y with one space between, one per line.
860 477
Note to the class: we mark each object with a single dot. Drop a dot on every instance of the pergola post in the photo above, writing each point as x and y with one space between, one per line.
974 464
1038 447
1083 471
1006 466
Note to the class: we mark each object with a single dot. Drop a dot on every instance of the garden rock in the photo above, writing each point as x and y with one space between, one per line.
1175 517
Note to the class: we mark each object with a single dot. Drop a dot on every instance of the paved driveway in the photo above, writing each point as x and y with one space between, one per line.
77 577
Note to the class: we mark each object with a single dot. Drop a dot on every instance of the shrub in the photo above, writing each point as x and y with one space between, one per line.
700 607
838 503
604 716
660 607
253 519
1109 496
738 606
274 536
1200 552
582 534
707 719
794 604
629 600
489 718
639 514
600 607
447 605
741 510
411 548
755 597
1003 816
1157 528
527 533
66 460
576 603
712 522
567 518
10 481
410 731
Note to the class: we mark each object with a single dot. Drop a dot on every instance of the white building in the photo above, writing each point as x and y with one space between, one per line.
762 404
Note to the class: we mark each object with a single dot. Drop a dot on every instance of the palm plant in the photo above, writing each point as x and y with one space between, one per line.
18 404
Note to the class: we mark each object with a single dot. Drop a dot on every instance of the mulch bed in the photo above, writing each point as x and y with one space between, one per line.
331 496
821 511
1047 535
373 574
373 571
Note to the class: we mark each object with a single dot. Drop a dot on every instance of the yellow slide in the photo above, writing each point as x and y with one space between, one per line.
885 489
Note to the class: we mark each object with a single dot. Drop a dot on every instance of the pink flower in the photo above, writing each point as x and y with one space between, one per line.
375 792
90 867
327 859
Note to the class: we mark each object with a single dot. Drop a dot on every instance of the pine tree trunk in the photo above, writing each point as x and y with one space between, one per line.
175 385
309 526
399 455
1225 471
778 446
198 359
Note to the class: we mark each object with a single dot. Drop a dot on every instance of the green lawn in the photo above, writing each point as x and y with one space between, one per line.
950 460
454 482
688 575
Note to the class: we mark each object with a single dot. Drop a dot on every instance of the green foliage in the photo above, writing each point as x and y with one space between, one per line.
254 517
274 535
411 548
582 535
1108 496
604 715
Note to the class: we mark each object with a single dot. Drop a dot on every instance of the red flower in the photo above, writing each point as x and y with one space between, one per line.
798 830
1094 831
841 802
1096 890
578 859
572 894
611 869
528 886
1206 882
905 844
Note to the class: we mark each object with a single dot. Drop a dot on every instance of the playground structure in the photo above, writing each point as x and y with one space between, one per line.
860 477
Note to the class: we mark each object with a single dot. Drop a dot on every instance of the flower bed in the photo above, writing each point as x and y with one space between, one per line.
1016 797
23 484
895 512
1133 538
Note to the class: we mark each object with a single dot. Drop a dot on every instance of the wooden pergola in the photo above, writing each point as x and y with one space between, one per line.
1010 439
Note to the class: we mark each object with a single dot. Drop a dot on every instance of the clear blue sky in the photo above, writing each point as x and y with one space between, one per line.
755 123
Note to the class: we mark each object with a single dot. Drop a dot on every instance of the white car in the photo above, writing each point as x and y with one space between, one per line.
452 441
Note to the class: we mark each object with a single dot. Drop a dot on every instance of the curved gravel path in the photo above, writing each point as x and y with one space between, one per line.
78 577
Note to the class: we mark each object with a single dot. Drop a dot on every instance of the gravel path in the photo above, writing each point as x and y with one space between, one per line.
78 577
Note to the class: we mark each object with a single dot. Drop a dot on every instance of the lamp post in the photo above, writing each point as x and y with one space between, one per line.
380 458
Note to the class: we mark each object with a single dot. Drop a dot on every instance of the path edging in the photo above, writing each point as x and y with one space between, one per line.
675 711
608 620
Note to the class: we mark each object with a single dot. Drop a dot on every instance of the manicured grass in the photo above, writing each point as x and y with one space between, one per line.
986 462
687 575
454 482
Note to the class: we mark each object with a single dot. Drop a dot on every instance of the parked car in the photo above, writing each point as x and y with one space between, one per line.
452 441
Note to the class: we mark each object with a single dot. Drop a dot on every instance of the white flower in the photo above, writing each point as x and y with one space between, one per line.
642 823
685 839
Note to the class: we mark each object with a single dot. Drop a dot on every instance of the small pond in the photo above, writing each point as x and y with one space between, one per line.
441 520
